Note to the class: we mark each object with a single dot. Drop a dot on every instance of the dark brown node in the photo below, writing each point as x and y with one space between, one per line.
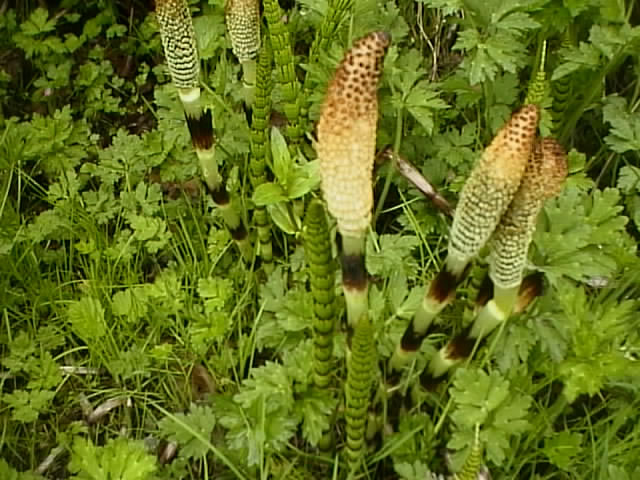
429 382
461 346
485 292
411 340
530 288
201 130
354 274
239 233
220 196
444 285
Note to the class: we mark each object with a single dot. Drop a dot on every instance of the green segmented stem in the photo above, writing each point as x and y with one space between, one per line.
473 463
260 115
317 247
484 199
361 375
179 44
539 85
561 91
336 13
285 67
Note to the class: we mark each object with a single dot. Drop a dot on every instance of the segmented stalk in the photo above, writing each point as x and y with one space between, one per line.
561 91
317 247
484 198
243 25
179 44
361 375
285 67
335 14
538 85
260 115
473 463
346 149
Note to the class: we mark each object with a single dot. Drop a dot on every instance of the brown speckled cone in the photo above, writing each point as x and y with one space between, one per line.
492 185
178 42
243 24
543 178
347 134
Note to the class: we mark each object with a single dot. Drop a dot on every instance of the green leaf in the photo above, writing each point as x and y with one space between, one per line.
412 471
121 459
625 127
189 430
583 234
216 292
281 216
303 179
268 194
38 23
26 406
562 448
629 179
394 252
281 157
489 402
8 473
87 319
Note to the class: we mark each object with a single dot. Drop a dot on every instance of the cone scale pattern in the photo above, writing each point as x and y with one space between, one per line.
347 134
543 178
491 186
179 42
243 25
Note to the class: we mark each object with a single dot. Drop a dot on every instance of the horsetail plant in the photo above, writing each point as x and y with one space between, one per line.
543 179
539 84
260 115
361 374
243 25
346 149
483 200
473 464
285 67
317 248
181 52
561 93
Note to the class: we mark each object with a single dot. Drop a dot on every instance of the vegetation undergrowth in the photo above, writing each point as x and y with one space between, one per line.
162 322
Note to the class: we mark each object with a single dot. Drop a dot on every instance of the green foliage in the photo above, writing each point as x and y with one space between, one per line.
118 279
493 37
487 402
190 431
583 235
595 333
120 458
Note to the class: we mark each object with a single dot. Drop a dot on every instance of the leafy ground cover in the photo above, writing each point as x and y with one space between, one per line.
139 340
